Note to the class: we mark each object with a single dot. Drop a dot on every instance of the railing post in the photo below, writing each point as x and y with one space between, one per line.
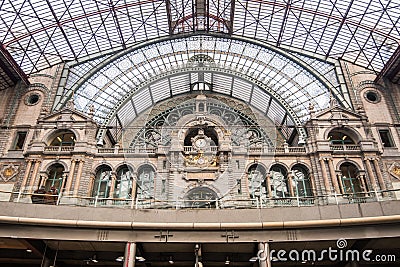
298 200
19 195
132 203
336 199
376 194
59 198
95 201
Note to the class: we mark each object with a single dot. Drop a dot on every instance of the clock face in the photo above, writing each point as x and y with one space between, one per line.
200 143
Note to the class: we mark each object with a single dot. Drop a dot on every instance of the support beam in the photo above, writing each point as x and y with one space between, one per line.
130 254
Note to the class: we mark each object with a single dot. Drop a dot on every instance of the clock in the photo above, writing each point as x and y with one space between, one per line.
200 143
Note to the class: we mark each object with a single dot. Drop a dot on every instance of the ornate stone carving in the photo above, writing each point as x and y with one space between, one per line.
8 171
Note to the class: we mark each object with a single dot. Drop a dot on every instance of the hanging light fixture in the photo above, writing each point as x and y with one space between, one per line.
171 261
227 262
94 259
139 258
120 258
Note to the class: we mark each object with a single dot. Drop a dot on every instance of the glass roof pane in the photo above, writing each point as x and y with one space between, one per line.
116 76
40 34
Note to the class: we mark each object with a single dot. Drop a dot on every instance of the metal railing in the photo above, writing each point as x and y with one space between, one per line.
222 203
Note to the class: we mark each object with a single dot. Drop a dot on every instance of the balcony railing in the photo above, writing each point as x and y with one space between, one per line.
188 149
59 148
345 147
249 203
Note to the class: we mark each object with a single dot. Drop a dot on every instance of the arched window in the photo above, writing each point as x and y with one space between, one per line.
123 184
256 181
201 197
145 182
55 178
279 184
201 107
339 137
301 181
102 182
351 180
66 138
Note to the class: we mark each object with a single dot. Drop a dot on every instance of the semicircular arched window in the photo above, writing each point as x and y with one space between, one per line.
201 197
66 138
301 182
123 184
352 181
55 178
256 181
145 183
278 182
337 137
102 182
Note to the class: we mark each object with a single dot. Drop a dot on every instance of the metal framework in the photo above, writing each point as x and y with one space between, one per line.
280 84
40 34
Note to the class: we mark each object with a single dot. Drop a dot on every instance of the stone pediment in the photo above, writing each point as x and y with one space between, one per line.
66 115
338 113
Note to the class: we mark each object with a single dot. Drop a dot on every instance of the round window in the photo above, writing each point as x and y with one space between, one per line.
372 96
32 99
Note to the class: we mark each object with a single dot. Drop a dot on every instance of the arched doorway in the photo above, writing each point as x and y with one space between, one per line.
201 197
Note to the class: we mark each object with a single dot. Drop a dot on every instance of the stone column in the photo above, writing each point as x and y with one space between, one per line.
381 182
34 174
263 255
268 183
325 176
78 176
362 180
130 254
70 176
112 186
133 192
290 182
370 173
91 184
333 176
43 180
313 187
339 178
27 172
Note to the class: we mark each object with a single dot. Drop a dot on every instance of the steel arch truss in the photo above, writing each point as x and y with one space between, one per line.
297 79
40 34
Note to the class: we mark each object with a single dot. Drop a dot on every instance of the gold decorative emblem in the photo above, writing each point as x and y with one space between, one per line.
395 170
8 171
200 160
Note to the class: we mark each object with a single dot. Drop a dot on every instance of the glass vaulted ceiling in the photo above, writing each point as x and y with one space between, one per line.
40 33
279 84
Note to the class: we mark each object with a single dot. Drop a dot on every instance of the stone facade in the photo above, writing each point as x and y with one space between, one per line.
200 150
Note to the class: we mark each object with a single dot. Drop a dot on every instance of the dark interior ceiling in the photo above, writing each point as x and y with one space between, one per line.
13 253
